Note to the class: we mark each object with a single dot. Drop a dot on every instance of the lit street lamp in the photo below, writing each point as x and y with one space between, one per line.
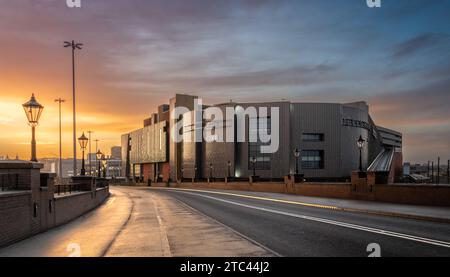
360 144
99 156
253 161
229 169
83 140
104 165
33 110
210 171
297 156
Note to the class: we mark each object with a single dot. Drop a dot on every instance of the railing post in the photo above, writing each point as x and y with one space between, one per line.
17 181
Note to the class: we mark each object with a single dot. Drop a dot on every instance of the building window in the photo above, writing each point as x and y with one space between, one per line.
312 137
263 160
312 159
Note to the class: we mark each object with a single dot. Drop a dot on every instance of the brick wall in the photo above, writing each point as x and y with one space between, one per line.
31 208
70 207
15 216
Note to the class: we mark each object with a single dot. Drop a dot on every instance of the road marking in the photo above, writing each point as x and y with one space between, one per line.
262 198
332 222
165 246
328 207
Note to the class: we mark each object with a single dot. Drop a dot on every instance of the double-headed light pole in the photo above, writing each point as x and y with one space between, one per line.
74 47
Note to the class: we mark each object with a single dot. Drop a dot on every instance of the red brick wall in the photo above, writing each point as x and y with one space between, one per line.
148 172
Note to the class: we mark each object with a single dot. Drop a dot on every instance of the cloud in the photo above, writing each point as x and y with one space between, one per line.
416 44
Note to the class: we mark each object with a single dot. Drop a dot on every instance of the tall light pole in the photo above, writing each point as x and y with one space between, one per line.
33 111
60 101
90 151
74 47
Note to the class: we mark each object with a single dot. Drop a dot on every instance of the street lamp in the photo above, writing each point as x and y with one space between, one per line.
33 110
360 144
83 140
297 156
99 155
210 171
104 165
229 169
253 161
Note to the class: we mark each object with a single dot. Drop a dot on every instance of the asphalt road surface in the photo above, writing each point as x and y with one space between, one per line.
295 230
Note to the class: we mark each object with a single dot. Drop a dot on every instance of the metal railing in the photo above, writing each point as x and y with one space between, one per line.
9 181
69 188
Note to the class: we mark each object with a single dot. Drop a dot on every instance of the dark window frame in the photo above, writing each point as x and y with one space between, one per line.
313 137
313 159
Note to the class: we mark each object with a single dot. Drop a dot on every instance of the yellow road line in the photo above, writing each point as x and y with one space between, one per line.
260 198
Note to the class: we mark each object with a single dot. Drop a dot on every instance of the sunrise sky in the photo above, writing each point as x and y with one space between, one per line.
139 53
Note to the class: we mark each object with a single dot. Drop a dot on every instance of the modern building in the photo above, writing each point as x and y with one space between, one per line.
325 135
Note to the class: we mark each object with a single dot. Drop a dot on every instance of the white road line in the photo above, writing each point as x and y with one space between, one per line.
332 222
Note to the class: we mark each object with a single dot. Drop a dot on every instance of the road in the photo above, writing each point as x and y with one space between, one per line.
147 222
295 230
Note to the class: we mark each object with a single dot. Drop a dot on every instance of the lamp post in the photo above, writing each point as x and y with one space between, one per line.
104 165
210 171
99 155
438 178
96 147
89 153
195 172
74 47
253 161
60 101
83 140
229 169
297 156
182 174
360 144
33 110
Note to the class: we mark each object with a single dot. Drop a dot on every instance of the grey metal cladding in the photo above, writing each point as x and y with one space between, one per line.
149 145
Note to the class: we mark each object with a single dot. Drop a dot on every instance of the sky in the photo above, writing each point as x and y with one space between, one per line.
139 53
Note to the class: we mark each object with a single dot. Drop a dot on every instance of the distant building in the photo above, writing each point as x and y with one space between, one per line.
116 152
51 165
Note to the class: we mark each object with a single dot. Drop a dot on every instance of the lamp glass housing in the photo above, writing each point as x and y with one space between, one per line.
33 111
83 140
361 142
